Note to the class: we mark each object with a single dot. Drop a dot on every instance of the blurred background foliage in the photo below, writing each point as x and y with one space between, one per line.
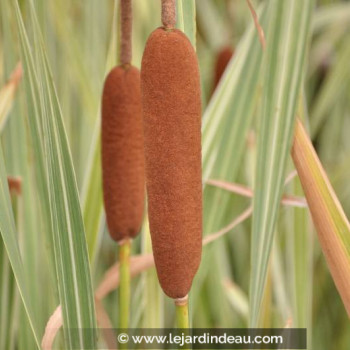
80 40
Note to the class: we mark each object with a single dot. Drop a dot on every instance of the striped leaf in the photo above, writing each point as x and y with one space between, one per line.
284 61
92 199
9 237
186 18
335 86
226 122
68 236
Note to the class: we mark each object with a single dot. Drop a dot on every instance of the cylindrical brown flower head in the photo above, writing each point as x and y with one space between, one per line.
123 153
222 60
170 88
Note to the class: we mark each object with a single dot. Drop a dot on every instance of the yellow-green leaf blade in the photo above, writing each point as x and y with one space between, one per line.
286 45
330 221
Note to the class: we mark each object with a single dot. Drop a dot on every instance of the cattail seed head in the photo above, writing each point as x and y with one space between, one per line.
122 153
222 60
170 88
15 185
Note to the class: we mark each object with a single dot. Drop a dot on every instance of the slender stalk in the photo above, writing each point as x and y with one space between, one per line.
126 32
169 13
182 319
124 288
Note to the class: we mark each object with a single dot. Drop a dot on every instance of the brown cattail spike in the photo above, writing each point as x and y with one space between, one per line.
122 153
170 88
126 32
223 58
15 185
169 13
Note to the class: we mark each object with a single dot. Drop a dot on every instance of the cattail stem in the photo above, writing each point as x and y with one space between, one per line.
182 318
124 288
123 157
168 14
126 32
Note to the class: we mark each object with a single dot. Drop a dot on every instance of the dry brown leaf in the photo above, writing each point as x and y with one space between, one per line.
257 25
327 214
214 236
51 329
248 192
56 321
7 93
105 323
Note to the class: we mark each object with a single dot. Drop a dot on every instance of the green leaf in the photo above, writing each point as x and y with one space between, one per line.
92 197
328 15
335 86
69 244
284 61
226 122
300 249
211 24
8 233
186 19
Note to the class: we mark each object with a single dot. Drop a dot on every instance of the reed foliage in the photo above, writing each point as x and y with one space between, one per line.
269 269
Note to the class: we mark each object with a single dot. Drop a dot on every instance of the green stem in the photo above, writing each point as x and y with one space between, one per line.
124 287
182 319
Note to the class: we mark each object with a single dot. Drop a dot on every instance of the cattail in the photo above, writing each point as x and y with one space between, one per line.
15 185
170 88
223 58
122 143
122 152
